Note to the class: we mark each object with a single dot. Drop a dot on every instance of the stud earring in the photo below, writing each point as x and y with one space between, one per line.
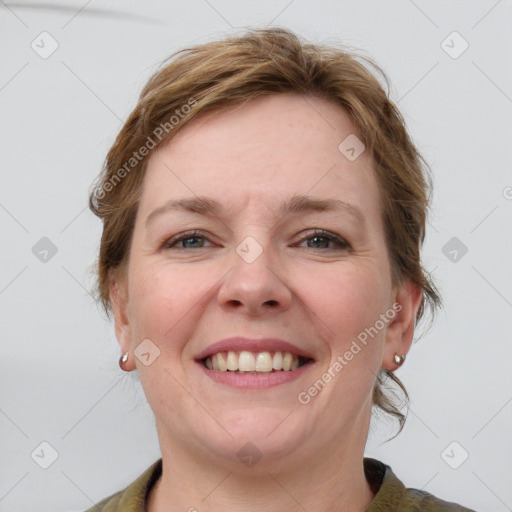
399 360
122 361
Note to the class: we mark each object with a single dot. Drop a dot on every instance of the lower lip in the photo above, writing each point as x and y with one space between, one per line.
265 380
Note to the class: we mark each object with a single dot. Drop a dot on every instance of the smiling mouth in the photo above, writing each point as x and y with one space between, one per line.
254 363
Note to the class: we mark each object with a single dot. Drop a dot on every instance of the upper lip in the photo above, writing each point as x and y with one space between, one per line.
239 343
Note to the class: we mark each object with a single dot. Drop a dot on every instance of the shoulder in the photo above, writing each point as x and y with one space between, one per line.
391 493
133 498
109 504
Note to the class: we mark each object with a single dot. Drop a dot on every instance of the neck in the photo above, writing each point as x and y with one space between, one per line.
332 479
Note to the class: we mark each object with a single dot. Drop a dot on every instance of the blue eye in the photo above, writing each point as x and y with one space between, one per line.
184 237
320 234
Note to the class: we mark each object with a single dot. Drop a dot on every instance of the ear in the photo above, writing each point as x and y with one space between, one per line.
119 301
400 332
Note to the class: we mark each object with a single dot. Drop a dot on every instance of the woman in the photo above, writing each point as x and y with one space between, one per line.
263 212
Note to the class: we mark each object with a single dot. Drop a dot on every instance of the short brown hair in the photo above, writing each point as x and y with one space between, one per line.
234 70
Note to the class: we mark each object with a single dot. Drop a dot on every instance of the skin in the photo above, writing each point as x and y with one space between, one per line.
301 289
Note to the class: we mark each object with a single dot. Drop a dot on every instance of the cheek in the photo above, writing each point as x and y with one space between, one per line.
164 300
345 300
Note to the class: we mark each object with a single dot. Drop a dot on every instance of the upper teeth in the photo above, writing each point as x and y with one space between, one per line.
245 361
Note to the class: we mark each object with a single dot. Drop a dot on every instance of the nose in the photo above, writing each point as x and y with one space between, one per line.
255 287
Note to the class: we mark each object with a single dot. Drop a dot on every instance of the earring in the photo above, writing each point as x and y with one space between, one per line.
399 360
122 361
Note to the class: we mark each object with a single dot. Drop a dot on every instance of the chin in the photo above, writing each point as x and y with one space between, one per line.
259 437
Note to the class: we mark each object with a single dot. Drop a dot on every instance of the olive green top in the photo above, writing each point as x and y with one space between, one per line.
391 494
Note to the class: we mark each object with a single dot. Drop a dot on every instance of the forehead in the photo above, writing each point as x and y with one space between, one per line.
267 149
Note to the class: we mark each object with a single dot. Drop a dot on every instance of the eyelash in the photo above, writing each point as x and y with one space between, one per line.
318 233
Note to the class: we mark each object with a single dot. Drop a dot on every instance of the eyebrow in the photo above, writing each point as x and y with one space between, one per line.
209 207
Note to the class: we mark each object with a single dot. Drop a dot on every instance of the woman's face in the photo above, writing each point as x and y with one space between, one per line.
256 269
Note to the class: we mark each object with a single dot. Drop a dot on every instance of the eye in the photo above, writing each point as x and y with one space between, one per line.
195 240
320 237
193 236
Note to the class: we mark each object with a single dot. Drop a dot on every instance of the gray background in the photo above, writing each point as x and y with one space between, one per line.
59 115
